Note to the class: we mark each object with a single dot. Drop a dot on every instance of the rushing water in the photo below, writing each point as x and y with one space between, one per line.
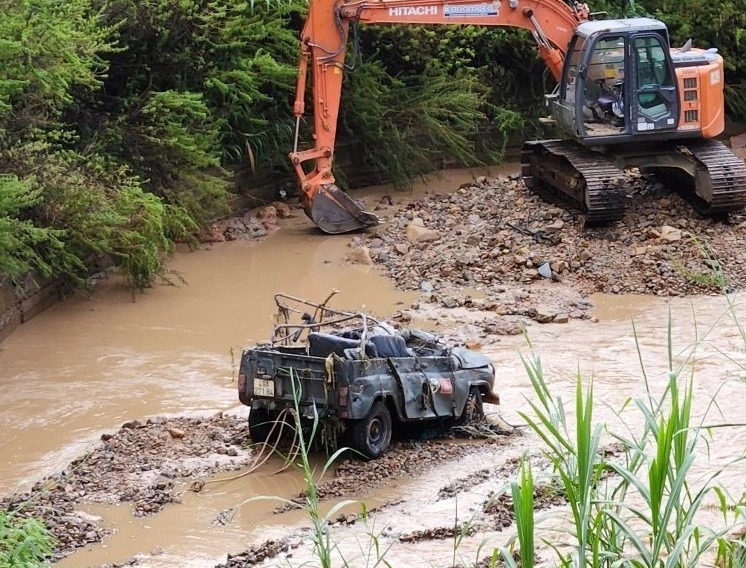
87 365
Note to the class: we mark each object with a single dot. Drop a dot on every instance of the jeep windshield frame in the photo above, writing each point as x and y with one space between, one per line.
287 332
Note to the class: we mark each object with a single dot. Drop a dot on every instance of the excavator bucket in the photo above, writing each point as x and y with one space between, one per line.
335 212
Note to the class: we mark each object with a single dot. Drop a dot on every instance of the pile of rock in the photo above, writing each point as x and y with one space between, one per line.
495 232
265 551
139 464
253 224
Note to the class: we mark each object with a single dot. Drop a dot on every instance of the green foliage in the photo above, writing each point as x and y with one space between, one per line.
406 124
658 527
118 117
403 103
24 246
71 189
170 140
239 58
523 507
736 100
47 49
24 542
504 61
102 213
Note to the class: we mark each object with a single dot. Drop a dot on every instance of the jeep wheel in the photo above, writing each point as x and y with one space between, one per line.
474 408
371 435
260 425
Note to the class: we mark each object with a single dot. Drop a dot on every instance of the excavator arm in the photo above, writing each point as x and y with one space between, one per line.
323 50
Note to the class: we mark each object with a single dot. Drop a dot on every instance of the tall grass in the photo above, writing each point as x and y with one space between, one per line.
523 506
573 457
322 543
638 511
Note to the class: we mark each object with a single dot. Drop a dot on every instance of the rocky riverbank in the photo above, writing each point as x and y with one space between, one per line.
142 463
495 234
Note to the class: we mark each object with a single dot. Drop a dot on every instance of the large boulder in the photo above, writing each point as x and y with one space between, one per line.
360 255
418 233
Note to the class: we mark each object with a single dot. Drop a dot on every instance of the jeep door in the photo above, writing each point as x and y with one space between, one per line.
426 385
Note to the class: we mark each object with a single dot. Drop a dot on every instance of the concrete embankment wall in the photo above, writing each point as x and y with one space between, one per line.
20 302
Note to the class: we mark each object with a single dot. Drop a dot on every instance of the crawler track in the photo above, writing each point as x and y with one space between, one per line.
706 172
720 180
590 179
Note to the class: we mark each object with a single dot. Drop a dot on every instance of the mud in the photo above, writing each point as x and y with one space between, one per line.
141 464
405 458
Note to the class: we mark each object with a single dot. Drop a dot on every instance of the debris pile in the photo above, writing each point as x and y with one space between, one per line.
254 224
140 464
495 232
258 554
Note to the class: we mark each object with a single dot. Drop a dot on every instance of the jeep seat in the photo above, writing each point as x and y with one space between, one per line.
390 346
324 344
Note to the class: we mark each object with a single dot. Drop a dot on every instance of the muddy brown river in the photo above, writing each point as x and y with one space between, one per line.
87 365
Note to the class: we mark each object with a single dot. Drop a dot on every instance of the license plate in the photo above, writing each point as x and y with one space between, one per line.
264 387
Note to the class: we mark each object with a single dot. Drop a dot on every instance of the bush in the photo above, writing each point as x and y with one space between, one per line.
24 246
24 543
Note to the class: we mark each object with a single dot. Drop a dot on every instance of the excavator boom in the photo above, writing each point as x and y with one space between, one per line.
323 50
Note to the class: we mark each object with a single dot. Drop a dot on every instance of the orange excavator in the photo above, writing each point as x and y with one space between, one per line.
624 99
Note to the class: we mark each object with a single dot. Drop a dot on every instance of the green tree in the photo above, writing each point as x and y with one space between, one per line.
23 246
62 203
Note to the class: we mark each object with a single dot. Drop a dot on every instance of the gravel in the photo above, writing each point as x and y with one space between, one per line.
354 476
506 470
496 233
140 463
258 554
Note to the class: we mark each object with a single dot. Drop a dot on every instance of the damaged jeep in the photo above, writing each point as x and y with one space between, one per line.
359 376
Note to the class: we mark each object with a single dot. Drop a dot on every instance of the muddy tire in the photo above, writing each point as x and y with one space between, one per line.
474 407
372 435
260 425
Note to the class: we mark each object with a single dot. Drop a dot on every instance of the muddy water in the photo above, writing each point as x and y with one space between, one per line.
87 365
199 531
704 339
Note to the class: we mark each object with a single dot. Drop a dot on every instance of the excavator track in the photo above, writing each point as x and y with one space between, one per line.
720 179
590 179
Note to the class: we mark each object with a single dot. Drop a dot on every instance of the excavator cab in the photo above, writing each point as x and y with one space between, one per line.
618 82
